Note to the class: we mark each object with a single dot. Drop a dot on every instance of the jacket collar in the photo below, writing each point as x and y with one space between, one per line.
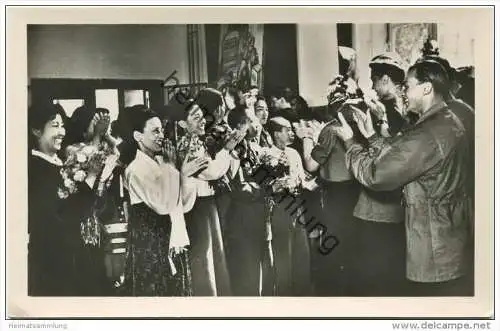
51 159
433 110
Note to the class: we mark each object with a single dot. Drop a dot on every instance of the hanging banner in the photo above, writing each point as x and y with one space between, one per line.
240 55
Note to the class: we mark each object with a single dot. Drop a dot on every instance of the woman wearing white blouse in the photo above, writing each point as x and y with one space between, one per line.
158 261
208 259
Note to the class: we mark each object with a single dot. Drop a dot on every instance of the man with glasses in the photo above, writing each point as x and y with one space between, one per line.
430 159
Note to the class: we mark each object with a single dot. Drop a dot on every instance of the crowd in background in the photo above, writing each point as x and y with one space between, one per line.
371 195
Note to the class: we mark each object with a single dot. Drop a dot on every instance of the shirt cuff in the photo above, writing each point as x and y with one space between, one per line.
224 153
348 143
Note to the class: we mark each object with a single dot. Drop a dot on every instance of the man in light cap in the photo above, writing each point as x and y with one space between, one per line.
388 74
380 215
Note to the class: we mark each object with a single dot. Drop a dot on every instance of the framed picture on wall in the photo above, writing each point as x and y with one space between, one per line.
408 39
240 55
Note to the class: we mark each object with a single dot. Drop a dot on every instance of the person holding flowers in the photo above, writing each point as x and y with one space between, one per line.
56 205
245 234
90 157
208 258
285 219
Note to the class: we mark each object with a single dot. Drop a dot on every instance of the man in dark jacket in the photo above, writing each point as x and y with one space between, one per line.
461 109
431 161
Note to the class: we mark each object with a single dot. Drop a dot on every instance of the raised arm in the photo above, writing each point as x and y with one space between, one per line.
218 167
395 162
327 141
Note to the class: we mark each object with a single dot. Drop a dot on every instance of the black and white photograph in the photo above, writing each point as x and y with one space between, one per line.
329 159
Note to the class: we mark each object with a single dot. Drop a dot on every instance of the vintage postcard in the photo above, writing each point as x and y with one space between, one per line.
310 162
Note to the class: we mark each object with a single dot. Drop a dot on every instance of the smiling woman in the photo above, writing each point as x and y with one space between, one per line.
157 260
53 227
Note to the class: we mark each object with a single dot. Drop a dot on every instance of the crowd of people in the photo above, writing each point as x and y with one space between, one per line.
371 195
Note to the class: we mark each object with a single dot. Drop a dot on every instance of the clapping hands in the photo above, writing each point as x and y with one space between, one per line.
234 138
192 166
169 153
99 124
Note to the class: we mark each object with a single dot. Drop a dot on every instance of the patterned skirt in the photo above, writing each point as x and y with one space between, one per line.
150 270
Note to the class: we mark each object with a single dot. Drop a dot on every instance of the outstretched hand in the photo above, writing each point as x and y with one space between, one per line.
364 122
343 131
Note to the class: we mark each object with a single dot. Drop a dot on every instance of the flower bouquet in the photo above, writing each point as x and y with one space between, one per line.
85 163
82 162
248 187
215 140
344 92
191 146
277 169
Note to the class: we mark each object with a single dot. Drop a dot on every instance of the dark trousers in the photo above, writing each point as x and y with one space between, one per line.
463 286
336 272
223 202
381 262
245 239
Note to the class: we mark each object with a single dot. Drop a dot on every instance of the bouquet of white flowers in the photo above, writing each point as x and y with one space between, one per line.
83 166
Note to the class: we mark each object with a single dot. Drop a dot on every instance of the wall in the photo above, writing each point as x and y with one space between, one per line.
317 57
108 51
456 42
369 41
